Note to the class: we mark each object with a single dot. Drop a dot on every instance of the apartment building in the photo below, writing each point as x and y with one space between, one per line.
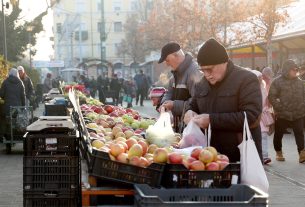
80 35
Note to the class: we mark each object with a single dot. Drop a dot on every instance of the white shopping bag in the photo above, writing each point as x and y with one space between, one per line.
192 136
252 170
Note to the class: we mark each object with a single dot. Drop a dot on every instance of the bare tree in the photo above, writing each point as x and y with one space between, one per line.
266 18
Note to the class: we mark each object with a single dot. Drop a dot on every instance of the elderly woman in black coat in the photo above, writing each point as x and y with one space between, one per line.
12 91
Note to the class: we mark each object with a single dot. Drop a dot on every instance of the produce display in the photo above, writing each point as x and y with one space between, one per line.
119 142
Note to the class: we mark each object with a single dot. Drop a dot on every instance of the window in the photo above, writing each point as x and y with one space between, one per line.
84 35
117 6
118 27
58 28
133 6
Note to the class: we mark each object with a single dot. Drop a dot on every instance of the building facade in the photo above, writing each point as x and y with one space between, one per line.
90 30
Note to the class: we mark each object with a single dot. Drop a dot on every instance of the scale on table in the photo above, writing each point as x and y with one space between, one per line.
52 123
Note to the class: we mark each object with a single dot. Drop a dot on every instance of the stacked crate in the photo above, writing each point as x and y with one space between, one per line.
51 164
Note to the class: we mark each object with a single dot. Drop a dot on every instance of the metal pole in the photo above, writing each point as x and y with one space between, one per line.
102 32
4 33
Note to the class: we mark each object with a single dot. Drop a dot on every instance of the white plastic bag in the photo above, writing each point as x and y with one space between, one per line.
252 170
161 133
192 136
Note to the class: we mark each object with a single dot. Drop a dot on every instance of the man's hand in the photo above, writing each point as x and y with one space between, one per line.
168 105
188 116
202 120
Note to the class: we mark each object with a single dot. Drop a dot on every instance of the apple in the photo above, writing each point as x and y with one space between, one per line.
123 144
196 165
134 160
120 134
144 146
175 158
135 150
195 152
128 133
114 114
206 156
116 149
130 142
108 108
222 164
97 144
116 130
160 155
221 157
152 148
123 157
135 124
214 152
187 161
213 166
143 162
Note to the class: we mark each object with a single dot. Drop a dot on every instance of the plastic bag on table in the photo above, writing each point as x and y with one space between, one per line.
192 136
161 133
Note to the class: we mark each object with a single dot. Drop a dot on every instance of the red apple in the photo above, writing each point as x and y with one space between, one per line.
222 157
108 108
195 153
197 165
213 166
175 158
222 164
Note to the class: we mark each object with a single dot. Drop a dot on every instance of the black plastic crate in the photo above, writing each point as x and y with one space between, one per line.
55 109
51 144
235 196
52 199
103 167
178 176
51 173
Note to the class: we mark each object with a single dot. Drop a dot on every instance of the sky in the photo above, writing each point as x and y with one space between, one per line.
30 9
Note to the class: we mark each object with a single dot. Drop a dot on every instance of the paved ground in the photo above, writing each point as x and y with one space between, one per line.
287 179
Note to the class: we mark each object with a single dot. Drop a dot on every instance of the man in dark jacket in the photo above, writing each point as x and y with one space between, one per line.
12 91
28 85
287 96
221 97
181 85
141 86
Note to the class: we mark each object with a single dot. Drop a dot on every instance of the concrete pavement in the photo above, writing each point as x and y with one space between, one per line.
287 179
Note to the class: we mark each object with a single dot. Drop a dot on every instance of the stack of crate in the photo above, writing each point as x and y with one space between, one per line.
51 164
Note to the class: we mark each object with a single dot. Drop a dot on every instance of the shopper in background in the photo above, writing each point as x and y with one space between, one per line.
221 97
28 85
181 85
12 91
47 83
287 96
141 86
267 119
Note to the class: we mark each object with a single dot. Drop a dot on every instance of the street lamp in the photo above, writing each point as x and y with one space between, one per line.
29 29
4 29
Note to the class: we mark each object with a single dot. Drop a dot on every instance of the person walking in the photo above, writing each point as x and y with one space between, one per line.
287 96
28 85
185 73
12 91
47 83
221 98
267 120
141 87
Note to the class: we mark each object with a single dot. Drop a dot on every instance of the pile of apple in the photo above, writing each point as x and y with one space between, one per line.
201 159
128 147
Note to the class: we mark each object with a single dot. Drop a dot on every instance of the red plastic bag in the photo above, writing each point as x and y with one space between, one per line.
192 136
